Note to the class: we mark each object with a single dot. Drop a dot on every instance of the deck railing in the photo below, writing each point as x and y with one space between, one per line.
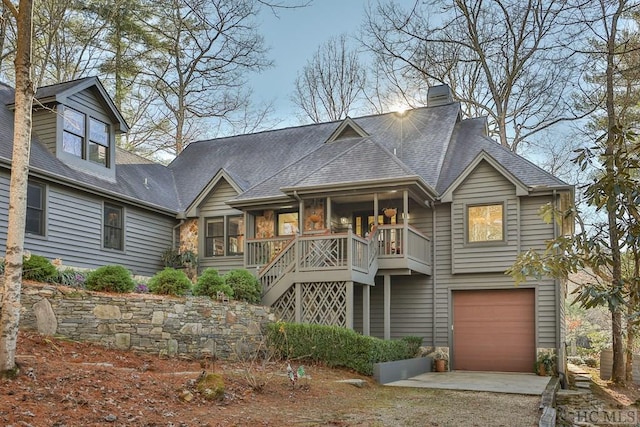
277 256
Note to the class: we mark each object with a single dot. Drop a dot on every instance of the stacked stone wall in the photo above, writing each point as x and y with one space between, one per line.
194 326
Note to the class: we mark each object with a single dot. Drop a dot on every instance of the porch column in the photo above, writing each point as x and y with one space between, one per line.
375 209
349 308
387 307
366 308
327 214
405 222
298 290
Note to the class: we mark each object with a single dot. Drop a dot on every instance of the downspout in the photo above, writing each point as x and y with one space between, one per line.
181 216
434 271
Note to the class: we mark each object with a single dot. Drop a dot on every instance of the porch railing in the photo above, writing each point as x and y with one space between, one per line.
278 256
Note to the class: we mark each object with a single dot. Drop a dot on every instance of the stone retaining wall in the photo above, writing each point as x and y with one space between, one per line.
195 326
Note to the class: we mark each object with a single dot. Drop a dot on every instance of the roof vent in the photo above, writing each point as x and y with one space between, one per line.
439 95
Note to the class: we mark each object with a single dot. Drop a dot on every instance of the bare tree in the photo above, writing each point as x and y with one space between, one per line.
505 59
209 46
10 317
331 83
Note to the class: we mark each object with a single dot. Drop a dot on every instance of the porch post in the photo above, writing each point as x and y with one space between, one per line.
327 214
349 308
405 222
298 290
366 308
375 209
387 307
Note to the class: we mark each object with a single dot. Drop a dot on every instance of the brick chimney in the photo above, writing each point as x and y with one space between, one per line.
439 95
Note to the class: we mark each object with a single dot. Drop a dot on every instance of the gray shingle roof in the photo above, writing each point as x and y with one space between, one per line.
431 143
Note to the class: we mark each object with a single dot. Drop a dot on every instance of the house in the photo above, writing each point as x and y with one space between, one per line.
392 224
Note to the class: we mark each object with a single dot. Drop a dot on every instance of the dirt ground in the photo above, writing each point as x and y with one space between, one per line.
65 383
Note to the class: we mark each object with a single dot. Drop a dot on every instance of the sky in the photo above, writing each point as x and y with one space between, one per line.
293 37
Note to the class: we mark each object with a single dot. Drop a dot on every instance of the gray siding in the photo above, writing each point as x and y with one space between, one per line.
74 232
533 236
214 206
484 185
44 127
89 103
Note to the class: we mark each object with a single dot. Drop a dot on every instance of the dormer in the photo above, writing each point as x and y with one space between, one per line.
347 129
78 122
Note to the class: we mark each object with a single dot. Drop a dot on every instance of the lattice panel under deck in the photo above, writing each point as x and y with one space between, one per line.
285 307
324 303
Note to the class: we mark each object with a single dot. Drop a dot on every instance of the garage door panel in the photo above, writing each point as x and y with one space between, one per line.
494 330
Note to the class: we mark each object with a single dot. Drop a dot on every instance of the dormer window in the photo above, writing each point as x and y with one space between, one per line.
77 130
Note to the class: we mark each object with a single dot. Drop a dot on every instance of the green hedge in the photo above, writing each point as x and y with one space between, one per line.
336 346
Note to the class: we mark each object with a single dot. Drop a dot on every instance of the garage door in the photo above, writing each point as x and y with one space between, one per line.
494 330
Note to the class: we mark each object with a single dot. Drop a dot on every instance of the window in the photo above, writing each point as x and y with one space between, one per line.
98 141
73 133
485 223
35 209
113 230
214 240
235 232
287 223
224 236
77 130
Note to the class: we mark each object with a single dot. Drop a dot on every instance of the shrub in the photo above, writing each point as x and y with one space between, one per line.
210 283
244 284
170 282
110 278
334 346
38 268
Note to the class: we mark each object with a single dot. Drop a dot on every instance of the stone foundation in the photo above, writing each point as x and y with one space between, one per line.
194 326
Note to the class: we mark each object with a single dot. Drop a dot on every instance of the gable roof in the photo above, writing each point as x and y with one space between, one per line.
349 129
138 180
60 93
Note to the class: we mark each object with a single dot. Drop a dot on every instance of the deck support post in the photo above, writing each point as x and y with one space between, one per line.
387 307
298 290
366 310
349 307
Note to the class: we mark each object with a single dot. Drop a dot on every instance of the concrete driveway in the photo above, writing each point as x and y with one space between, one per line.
496 382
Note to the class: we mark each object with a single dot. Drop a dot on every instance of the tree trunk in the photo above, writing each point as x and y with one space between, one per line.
10 318
618 371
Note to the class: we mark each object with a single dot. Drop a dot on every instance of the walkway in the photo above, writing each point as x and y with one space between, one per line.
495 382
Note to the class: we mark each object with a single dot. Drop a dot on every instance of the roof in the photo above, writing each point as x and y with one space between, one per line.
60 92
429 147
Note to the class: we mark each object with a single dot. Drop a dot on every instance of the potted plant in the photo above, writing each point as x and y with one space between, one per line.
546 363
440 359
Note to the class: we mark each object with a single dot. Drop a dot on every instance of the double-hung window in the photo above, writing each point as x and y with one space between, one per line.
85 137
35 220
113 231
224 236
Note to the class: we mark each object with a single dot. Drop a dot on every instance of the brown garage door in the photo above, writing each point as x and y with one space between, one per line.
494 330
